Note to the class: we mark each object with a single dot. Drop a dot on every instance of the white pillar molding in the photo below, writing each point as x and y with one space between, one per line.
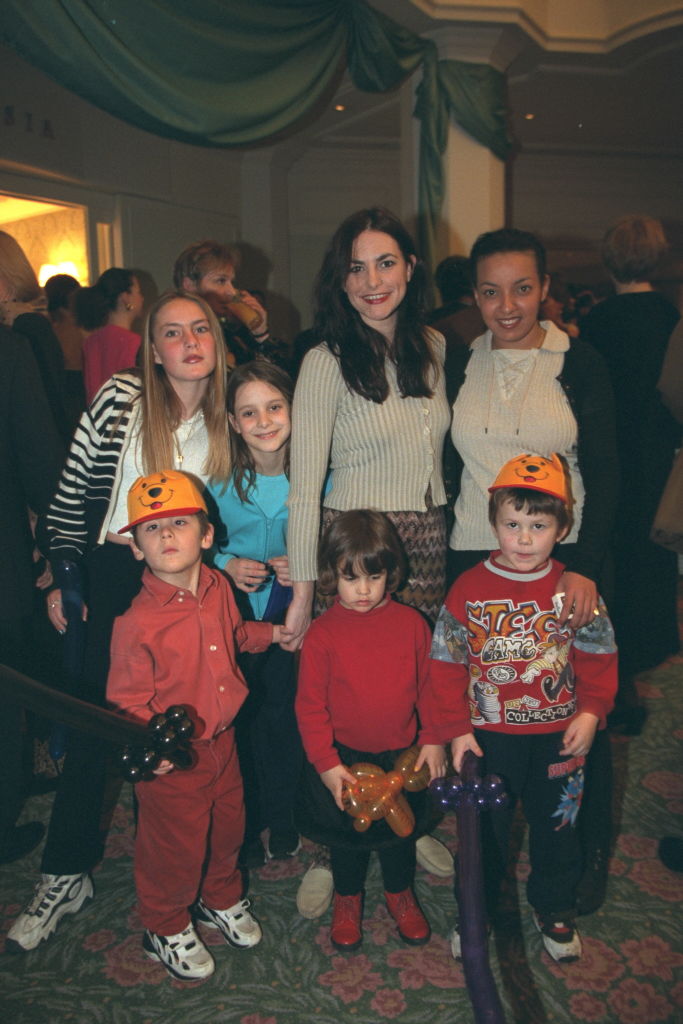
474 179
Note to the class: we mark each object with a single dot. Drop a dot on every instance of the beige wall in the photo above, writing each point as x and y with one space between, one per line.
158 194
570 199
324 187
53 238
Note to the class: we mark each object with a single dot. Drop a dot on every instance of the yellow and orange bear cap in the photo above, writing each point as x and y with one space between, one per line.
536 473
161 495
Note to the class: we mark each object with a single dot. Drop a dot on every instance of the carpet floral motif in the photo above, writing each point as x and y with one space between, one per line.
631 972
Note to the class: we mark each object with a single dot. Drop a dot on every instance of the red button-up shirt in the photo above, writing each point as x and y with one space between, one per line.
172 647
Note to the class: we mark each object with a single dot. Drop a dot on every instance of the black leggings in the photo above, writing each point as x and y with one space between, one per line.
349 867
74 841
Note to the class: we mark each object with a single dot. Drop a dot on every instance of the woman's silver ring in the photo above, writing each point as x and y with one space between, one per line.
53 604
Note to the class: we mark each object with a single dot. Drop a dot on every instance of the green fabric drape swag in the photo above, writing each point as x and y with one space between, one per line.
232 73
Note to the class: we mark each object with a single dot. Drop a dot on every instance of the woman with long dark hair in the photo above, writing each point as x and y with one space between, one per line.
370 404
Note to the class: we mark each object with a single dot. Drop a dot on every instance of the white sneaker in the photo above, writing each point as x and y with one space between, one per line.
453 939
315 891
54 896
560 938
238 927
183 955
434 857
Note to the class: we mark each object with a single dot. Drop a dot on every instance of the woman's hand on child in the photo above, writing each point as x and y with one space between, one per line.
434 756
334 779
580 599
164 767
579 735
280 565
460 745
247 573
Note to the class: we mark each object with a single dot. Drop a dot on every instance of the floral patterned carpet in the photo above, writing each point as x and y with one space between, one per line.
93 969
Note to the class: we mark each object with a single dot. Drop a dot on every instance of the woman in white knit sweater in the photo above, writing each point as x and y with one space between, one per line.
524 386
370 404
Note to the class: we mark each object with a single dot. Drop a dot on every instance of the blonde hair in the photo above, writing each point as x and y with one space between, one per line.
17 271
633 247
161 408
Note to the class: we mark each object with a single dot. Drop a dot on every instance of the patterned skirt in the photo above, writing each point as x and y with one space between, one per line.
423 535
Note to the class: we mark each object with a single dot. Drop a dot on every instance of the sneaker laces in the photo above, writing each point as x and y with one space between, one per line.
240 910
184 941
45 893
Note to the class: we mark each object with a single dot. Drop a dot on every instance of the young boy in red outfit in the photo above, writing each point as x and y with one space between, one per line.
177 645
524 692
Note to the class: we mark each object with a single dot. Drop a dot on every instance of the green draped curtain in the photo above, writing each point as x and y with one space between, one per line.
233 73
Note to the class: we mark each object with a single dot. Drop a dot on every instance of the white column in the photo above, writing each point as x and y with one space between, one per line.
474 179
474 194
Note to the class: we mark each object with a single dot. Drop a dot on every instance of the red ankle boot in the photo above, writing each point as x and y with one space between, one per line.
346 933
413 926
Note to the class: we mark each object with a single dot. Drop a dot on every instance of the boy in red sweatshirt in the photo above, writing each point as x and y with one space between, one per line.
524 692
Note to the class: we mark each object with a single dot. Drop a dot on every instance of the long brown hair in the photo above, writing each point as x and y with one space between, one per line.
162 409
244 468
361 349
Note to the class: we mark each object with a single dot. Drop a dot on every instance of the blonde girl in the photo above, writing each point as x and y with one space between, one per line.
170 414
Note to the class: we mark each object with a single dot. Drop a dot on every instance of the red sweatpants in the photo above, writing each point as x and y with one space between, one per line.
183 816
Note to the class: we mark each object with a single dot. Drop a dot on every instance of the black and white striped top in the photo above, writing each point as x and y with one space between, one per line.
77 513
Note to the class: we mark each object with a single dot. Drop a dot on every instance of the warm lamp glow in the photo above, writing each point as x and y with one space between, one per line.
50 269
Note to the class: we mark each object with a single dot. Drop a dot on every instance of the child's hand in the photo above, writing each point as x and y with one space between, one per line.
247 574
164 767
460 745
277 634
281 566
434 756
334 779
579 734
